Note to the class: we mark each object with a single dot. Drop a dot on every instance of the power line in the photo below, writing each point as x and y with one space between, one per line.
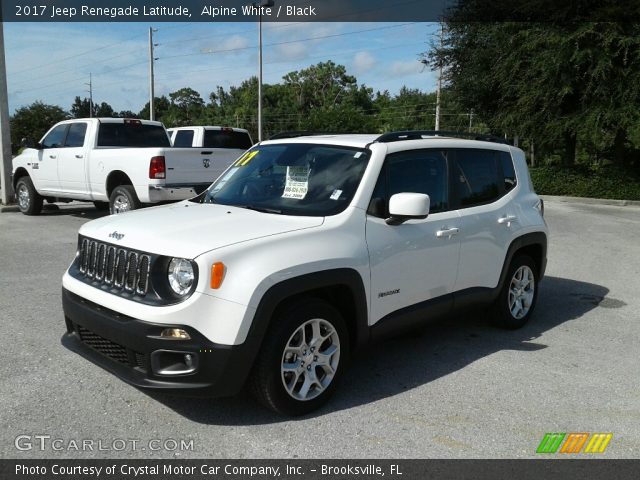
321 37
93 50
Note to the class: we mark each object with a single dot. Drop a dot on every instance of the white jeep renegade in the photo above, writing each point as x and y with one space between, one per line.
303 251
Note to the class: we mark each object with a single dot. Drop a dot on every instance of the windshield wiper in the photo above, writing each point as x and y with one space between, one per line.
260 209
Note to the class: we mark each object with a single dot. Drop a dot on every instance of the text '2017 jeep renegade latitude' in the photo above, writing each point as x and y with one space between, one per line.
304 250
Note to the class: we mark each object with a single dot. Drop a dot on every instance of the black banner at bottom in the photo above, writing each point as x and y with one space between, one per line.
543 469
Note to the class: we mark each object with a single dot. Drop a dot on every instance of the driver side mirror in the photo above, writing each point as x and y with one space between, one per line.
29 143
407 206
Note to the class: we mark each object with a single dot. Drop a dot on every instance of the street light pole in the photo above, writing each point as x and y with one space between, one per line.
152 88
260 5
5 139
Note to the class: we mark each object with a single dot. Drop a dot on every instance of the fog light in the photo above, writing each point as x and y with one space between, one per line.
169 362
175 334
188 360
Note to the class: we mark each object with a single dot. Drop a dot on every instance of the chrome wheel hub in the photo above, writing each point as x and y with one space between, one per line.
121 204
521 291
23 196
310 359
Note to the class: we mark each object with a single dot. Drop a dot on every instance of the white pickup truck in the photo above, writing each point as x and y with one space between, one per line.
223 138
113 162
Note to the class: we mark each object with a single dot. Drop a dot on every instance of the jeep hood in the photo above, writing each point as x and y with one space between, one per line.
188 229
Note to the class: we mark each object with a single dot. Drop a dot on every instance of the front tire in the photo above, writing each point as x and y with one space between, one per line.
29 200
303 357
515 304
123 199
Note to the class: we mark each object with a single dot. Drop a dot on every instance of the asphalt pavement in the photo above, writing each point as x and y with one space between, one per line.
461 389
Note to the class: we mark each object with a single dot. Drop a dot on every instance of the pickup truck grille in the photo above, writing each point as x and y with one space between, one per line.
113 266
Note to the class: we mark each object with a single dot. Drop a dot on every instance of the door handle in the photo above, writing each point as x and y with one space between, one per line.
507 219
79 156
447 232
52 156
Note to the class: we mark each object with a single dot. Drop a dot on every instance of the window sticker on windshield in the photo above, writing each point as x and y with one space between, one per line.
246 158
224 179
336 194
357 155
297 182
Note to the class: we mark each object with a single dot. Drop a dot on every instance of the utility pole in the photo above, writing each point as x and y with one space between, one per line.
470 120
90 84
260 5
5 137
439 81
152 87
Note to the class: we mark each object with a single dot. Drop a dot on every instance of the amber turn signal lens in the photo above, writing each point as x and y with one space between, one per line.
217 274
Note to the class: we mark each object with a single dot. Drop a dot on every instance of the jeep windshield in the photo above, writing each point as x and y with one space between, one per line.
291 179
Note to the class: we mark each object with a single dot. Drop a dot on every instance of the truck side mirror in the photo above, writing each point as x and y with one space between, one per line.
407 206
29 143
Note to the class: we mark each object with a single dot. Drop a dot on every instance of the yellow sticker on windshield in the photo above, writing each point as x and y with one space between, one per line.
246 158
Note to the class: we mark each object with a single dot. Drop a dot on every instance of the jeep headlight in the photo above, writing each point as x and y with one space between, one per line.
181 275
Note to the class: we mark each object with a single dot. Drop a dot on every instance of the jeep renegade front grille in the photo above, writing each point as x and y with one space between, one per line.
113 266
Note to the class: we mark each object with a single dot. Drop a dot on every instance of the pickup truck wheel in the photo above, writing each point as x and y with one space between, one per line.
29 201
302 358
517 299
122 199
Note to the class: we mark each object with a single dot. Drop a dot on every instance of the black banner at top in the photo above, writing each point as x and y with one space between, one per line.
158 11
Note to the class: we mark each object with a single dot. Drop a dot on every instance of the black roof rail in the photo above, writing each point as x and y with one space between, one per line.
420 134
282 135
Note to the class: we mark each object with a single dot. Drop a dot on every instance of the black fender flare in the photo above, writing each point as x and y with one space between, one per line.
292 287
529 239
344 277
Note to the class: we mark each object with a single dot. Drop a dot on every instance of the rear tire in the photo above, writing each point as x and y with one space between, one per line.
29 200
515 304
302 359
123 199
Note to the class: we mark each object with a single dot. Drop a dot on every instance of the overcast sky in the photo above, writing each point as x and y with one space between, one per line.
51 62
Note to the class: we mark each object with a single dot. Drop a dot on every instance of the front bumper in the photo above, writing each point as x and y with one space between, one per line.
125 347
168 193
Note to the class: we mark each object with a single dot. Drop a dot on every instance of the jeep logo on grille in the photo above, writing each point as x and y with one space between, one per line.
206 162
116 235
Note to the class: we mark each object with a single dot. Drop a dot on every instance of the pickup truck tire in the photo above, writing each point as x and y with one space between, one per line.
303 356
517 299
29 201
122 199
102 206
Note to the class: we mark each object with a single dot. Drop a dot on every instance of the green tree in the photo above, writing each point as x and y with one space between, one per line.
187 108
558 83
104 110
160 109
33 121
81 108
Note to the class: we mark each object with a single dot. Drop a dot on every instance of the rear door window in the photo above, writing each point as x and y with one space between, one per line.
477 177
